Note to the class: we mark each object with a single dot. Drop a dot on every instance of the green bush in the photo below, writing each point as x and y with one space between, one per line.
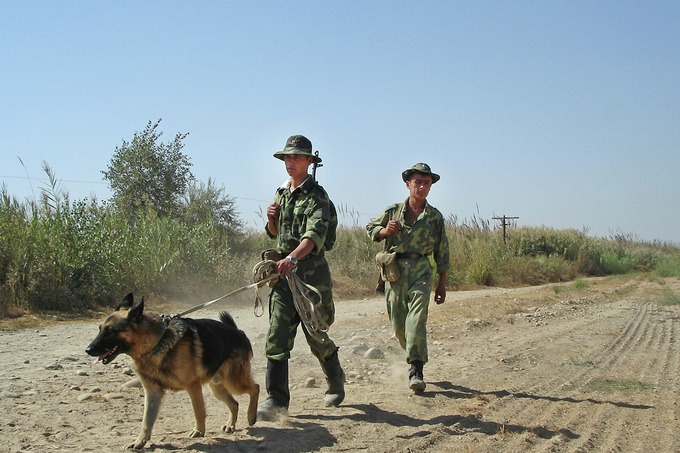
61 255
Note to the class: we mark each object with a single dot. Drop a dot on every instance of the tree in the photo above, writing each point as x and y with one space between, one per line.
148 174
207 203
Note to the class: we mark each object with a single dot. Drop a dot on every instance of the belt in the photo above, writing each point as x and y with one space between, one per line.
409 256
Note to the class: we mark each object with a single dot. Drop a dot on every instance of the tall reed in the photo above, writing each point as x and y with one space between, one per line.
56 254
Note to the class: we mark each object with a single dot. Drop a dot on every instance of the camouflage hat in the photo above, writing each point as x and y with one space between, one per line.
298 144
419 168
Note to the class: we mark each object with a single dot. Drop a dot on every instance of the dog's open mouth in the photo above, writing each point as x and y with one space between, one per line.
108 356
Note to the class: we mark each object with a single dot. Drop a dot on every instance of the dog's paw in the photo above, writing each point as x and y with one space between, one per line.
195 433
228 428
137 446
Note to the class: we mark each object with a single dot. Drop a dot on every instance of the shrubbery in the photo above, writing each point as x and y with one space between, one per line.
71 256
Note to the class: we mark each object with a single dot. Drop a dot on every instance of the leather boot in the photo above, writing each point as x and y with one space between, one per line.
276 404
415 377
335 378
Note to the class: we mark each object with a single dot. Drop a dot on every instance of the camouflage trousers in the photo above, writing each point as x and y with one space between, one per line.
284 319
408 301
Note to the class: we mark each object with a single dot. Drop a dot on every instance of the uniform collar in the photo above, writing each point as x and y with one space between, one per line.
403 210
287 183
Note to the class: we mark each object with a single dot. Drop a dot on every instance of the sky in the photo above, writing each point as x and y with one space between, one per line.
565 114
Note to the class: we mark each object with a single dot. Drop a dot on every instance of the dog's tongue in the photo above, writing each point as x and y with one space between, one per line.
101 357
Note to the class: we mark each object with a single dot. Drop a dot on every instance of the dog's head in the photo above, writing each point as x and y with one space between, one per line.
116 332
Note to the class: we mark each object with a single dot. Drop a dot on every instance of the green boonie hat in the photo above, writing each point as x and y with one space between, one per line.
419 168
298 144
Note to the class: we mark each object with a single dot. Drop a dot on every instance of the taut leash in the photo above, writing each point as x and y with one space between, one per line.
303 295
233 293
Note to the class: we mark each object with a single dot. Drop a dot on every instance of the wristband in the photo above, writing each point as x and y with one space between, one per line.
292 259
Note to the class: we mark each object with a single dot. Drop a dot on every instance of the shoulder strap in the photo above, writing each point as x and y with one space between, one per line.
398 215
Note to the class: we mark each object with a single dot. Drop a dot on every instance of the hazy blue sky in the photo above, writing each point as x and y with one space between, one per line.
566 114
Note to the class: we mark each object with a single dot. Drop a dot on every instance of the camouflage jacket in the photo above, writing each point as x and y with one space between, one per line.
306 212
427 235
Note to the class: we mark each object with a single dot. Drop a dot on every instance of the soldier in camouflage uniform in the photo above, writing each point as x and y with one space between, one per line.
415 231
303 220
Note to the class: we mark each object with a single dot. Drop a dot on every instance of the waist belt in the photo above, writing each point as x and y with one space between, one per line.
409 256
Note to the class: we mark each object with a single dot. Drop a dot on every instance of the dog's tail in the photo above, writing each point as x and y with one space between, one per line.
227 319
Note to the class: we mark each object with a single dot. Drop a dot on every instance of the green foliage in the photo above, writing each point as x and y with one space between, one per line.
580 283
63 255
146 174
353 256
669 298
668 266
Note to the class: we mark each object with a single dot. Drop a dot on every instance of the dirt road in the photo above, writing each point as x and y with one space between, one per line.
540 369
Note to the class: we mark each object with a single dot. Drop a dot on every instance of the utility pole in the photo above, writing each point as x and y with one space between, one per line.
504 223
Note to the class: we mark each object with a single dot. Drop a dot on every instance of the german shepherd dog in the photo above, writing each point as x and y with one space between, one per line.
173 353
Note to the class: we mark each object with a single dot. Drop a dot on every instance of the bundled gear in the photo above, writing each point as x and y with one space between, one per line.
387 262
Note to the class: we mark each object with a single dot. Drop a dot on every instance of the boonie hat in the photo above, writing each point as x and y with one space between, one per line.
298 144
419 168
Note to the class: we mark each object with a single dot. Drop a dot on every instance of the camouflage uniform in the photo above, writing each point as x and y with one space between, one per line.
408 297
306 212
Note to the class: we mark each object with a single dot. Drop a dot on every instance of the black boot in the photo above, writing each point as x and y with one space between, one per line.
278 397
335 378
415 377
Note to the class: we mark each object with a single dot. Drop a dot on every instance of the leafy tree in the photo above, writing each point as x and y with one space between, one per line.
208 203
148 174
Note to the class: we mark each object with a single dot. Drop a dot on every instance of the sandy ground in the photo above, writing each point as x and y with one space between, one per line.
531 369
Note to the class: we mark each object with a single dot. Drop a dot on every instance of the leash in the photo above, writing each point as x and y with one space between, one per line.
258 302
303 293
307 308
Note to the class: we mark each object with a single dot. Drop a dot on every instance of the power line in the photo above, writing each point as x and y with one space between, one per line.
47 179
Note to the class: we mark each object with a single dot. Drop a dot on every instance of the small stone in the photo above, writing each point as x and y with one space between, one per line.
133 383
8 394
85 397
54 366
113 396
358 349
310 382
81 373
374 353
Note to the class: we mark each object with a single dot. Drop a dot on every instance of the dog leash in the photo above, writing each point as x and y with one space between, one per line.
258 301
302 298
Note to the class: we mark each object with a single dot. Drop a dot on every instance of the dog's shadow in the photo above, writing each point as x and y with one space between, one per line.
293 437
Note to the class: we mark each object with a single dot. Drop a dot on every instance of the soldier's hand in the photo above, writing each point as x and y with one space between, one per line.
440 294
392 227
273 211
284 266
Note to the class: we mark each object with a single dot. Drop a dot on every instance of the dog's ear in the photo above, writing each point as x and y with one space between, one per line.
127 302
136 313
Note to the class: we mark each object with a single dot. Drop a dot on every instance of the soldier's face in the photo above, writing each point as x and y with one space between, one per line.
296 164
419 185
